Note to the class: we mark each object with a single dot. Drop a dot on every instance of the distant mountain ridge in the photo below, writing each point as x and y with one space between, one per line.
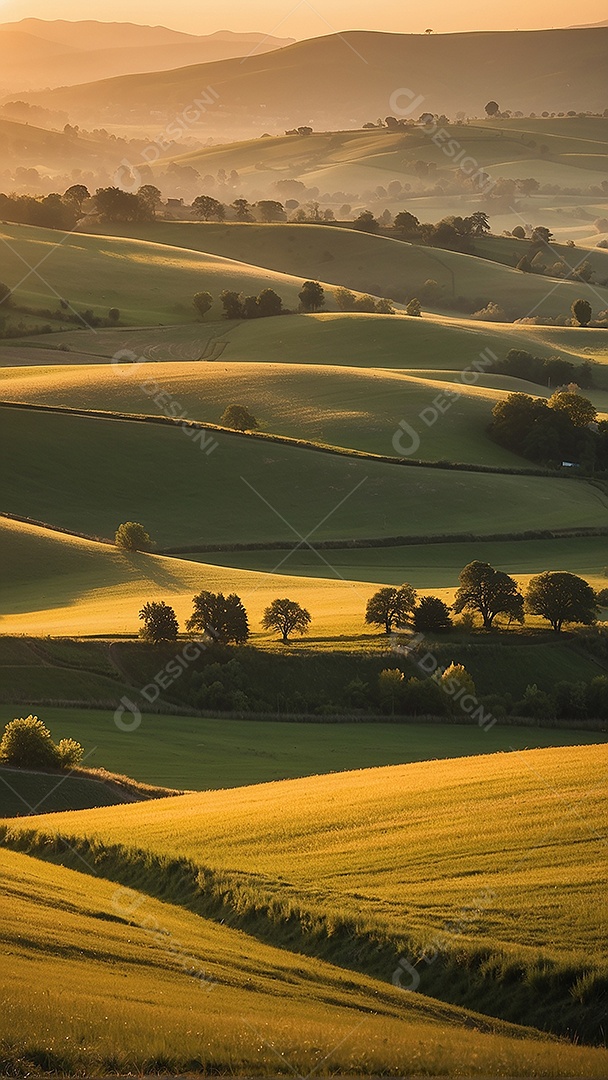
343 80
35 54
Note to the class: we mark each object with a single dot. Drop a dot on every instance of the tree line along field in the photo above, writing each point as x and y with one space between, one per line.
491 861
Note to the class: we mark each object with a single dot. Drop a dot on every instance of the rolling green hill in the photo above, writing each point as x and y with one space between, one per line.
72 475
358 163
431 345
64 585
148 283
341 406
373 264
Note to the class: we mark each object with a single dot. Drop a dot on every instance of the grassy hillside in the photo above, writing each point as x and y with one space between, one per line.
63 585
148 283
492 861
194 753
341 406
24 792
350 77
375 264
432 343
433 566
193 996
72 475
494 819
361 161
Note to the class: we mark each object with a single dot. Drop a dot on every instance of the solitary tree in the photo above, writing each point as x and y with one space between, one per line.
312 296
286 617
77 195
27 744
432 614
207 208
582 311
561 598
479 223
414 308
490 592
202 302
222 618
270 210
239 418
132 536
391 682
160 622
151 197
390 606
456 682
492 108
242 209
406 224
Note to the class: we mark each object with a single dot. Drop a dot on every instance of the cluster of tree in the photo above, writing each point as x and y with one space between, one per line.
222 619
454 233
266 210
547 371
349 301
565 701
394 606
27 744
558 596
238 306
564 428
115 205
540 258
46 211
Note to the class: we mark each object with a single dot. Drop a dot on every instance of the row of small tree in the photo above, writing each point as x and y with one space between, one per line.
223 619
237 305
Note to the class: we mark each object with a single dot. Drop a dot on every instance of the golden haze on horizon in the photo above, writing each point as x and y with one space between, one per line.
303 18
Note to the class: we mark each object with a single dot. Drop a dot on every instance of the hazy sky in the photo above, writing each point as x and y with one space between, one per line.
301 18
